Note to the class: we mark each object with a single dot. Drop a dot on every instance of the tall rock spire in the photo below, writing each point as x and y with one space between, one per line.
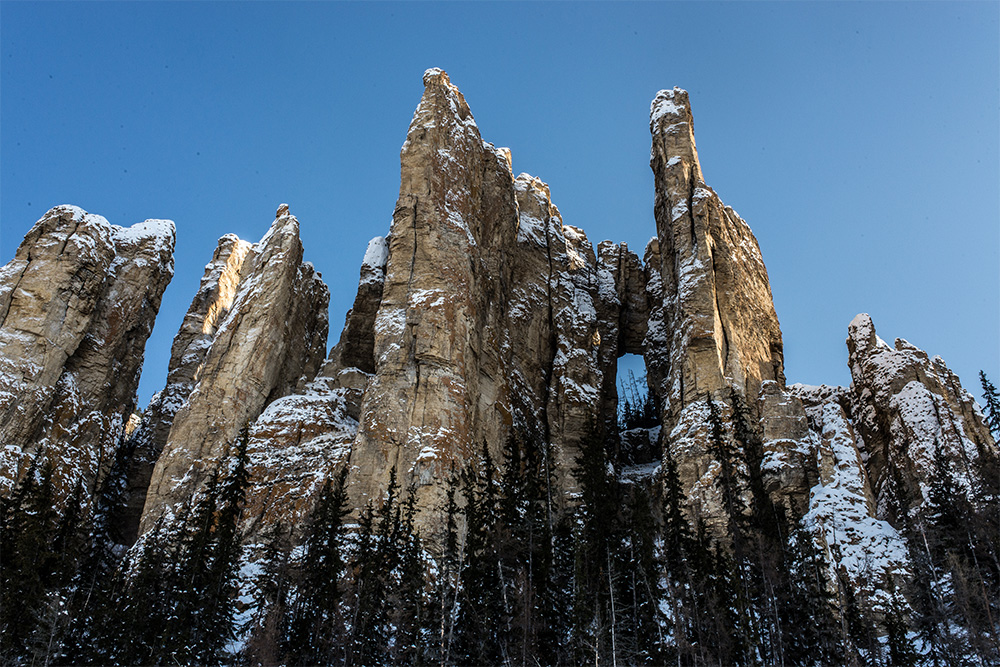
77 304
717 300
271 341
423 410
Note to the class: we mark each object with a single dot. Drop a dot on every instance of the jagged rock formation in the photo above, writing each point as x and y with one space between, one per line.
488 320
77 304
481 315
484 319
302 439
269 343
717 299
825 478
208 310
712 325
905 407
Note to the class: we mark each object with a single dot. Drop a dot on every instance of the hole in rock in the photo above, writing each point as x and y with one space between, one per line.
638 414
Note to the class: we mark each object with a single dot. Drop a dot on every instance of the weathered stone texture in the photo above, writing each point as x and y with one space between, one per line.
906 406
77 304
717 299
437 393
270 343
207 311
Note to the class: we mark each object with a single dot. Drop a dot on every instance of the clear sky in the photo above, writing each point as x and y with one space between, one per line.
858 140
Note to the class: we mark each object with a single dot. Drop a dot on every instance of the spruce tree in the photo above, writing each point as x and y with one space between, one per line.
810 597
991 398
268 627
315 619
900 648
482 617
408 616
27 562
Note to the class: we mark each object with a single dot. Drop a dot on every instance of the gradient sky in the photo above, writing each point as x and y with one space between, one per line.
859 140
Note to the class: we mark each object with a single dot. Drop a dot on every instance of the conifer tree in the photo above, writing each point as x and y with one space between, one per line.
900 648
810 597
315 623
442 604
27 562
991 397
408 618
268 627
482 613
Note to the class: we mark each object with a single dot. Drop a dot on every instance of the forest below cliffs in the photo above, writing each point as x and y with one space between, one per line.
618 572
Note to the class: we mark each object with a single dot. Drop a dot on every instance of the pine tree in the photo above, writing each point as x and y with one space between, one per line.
100 557
217 616
268 628
28 564
442 605
731 483
367 594
408 611
598 553
481 619
992 401
315 617
901 651
135 632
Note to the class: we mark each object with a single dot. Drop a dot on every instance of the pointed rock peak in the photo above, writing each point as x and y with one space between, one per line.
526 181
377 253
443 96
436 75
285 224
672 105
861 333
672 127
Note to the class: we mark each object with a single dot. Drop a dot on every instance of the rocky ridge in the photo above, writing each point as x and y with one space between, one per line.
262 337
77 304
484 316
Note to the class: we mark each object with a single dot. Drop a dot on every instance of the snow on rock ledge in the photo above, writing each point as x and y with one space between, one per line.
77 304
905 406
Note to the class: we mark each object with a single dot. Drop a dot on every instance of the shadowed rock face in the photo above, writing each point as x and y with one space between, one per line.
438 383
490 319
270 341
482 316
77 304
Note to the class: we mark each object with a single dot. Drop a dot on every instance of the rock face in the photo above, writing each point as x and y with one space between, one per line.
301 440
435 371
77 304
208 310
906 407
824 477
481 317
717 301
712 325
269 342
489 315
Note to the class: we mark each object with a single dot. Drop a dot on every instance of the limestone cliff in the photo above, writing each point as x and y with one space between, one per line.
480 317
77 304
717 300
907 408
208 310
264 340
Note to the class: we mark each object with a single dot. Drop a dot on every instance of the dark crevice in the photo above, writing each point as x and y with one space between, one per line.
552 329
690 205
722 321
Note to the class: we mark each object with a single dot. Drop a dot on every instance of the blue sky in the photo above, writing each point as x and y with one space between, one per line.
859 140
